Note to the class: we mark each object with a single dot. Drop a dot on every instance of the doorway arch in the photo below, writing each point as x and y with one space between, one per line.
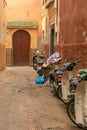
21 48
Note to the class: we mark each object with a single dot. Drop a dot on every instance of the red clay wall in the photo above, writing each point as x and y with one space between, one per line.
73 51
73 30
73 21
2 57
46 49
77 51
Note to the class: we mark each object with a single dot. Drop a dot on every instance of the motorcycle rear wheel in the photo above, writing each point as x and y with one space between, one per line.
40 72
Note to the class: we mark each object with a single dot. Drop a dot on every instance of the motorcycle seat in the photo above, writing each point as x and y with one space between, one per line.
41 56
74 81
82 71
59 72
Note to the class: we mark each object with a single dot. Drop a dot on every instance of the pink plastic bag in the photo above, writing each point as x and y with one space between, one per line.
53 56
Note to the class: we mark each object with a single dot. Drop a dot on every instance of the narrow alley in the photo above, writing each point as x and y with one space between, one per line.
27 106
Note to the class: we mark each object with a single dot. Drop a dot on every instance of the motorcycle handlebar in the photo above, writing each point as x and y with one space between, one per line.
56 60
69 65
76 62
83 77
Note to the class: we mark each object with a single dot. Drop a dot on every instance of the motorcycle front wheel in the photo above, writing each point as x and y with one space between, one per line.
40 72
71 110
35 63
59 94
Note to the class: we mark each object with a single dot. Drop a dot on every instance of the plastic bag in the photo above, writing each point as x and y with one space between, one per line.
39 80
53 56
47 83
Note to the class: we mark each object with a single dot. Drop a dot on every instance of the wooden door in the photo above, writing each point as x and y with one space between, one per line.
21 48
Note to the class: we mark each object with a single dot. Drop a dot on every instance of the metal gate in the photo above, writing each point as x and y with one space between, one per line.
52 31
21 48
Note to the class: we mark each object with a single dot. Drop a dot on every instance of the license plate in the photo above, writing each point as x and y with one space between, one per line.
39 67
59 84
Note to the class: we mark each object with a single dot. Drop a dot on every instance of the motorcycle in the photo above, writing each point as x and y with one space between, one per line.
51 68
37 58
77 106
62 77
55 65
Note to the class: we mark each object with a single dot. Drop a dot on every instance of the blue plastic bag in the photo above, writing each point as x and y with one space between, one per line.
39 80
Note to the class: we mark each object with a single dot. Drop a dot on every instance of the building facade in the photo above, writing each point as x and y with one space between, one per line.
67 29
51 25
23 31
2 34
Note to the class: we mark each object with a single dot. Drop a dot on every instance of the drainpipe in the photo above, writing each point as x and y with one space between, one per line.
42 40
58 31
56 14
56 18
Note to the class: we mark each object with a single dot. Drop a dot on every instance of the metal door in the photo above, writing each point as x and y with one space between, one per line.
52 30
21 48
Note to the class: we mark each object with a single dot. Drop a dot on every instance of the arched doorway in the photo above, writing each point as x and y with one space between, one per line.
21 48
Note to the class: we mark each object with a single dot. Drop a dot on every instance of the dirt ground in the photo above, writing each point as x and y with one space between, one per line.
27 106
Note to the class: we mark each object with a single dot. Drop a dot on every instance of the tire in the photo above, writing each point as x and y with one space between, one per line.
35 63
59 94
71 114
71 110
53 84
40 72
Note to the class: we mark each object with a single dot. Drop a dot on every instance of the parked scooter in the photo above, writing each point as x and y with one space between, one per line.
55 74
37 57
52 67
74 81
77 106
62 76
55 65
